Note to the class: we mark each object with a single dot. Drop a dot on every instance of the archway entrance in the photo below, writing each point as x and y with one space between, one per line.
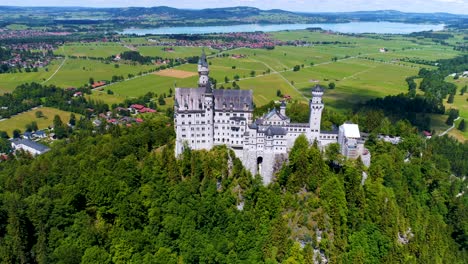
259 164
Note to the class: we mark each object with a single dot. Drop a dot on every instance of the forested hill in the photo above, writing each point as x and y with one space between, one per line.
122 197
167 16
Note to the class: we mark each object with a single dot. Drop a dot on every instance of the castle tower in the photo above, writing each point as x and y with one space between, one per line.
208 104
283 108
203 71
316 108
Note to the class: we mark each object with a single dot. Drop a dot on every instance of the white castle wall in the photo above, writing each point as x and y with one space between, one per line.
207 127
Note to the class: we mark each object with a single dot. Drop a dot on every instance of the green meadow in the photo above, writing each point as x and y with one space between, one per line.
76 72
150 83
93 49
177 52
21 120
9 81
354 63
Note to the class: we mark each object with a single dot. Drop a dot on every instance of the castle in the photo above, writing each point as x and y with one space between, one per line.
205 117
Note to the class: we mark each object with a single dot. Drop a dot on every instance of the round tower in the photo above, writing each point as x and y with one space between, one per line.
316 108
283 108
203 70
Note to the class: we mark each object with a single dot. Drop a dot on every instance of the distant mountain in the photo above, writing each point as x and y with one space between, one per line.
169 16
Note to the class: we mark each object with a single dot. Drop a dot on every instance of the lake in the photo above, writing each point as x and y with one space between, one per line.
353 27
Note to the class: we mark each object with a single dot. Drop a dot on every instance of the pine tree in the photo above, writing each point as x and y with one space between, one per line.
461 126
451 98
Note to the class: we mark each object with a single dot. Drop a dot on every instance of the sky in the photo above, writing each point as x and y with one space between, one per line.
450 6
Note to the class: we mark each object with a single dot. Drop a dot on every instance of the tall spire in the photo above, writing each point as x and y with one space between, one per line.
202 61
203 71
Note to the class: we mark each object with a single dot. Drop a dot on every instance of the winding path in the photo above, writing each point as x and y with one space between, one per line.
450 128
60 66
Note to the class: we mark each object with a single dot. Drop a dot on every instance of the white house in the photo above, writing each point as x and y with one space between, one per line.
29 146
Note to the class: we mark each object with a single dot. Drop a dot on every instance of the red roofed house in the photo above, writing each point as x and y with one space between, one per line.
98 84
427 134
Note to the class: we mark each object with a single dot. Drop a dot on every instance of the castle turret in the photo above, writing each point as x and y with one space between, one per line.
283 108
316 108
203 71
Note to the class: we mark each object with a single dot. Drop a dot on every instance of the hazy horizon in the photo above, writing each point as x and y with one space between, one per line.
418 6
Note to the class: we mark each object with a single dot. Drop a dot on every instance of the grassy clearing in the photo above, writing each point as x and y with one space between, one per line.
265 87
21 120
150 83
178 52
95 49
17 27
76 72
438 123
105 98
9 81
460 135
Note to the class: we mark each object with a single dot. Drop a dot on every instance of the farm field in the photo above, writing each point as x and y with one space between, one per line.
9 81
93 49
76 72
460 102
102 96
149 83
360 72
178 52
21 120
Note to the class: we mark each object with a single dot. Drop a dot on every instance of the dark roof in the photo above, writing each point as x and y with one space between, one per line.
34 145
275 130
190 99
273 113
208 88
40 132
317 88
283 103
237 100
202 61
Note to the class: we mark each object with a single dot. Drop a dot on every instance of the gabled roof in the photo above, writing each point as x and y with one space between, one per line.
275 130
34 145
274 113
237 100
317 88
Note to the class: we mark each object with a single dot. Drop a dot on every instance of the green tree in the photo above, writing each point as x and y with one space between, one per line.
451 98
161 100
16 133
463 90
96 255
452 115
331 85
461 126
5 145
39 114
4 134
72 120
279 93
